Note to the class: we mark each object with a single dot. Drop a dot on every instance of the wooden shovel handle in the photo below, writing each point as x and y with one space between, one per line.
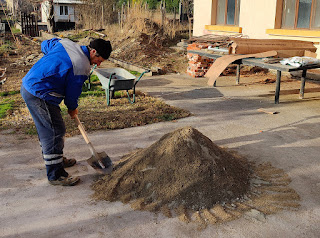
85 136
81 128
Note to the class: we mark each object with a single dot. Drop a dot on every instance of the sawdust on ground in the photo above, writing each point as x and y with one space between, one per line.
186 175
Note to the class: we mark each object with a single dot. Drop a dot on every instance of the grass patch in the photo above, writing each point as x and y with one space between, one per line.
4 94
92 93
94 78
6 48
81 35
136 73
5 106
166 117
15 30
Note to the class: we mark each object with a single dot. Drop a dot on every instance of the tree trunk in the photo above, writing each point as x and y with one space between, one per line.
51 17
163 12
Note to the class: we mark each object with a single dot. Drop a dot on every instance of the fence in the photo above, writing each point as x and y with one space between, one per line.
29 25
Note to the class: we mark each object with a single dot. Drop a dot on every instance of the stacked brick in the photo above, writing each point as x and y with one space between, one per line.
198 65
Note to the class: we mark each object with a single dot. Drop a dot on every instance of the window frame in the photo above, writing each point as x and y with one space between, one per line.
64 12
279 13
215 13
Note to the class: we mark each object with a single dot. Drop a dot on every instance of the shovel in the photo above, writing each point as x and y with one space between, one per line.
101 162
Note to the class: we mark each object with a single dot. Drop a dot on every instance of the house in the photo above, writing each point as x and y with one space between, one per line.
11 5
64 13
5 14
259 19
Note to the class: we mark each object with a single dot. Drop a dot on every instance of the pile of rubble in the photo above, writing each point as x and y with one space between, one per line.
27 60
199 65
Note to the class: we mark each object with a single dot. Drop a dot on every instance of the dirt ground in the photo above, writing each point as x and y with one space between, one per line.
18 60
186 175
281 149
95 113
286 144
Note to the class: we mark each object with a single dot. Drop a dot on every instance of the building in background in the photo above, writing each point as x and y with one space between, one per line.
64 13
263 19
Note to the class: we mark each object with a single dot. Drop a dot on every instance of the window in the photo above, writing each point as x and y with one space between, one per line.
227 12
64 10
298 14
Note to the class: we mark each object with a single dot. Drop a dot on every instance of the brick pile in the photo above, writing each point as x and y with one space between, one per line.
198 65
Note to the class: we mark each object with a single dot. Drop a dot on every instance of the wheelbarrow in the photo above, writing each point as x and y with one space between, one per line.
116 79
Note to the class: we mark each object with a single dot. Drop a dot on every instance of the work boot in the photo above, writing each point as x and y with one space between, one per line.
68 162
65 181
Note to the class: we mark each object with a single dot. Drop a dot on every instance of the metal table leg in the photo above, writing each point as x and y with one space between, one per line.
238 74
303 83
277 93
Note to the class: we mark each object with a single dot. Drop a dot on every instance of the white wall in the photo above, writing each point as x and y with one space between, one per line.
202 16
256 16
63 18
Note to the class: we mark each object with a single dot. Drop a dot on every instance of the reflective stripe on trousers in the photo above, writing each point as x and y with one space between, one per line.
51 130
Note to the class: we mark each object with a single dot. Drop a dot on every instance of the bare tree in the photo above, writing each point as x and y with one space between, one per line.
187 6
50 16
96 13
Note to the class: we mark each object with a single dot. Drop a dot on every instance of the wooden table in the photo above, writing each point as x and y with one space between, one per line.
258 62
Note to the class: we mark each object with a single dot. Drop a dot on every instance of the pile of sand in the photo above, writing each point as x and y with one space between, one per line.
184 168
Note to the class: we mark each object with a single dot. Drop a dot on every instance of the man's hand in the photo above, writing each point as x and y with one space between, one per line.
72 113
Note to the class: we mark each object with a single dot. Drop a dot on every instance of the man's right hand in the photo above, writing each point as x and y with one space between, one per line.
72 113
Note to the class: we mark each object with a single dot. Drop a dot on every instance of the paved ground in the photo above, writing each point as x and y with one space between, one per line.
228 115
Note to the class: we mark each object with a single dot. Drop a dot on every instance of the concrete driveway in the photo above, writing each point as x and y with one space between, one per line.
228 115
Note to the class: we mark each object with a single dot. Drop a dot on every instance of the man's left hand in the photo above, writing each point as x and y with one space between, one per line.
72 113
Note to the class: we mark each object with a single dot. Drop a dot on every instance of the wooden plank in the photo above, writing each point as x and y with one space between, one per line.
222 63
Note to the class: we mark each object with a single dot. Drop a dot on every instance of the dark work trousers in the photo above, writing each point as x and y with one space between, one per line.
51 131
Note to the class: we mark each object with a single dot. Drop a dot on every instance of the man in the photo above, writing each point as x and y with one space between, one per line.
59 75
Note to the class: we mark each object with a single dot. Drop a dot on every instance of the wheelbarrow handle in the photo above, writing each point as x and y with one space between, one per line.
147 71
110 77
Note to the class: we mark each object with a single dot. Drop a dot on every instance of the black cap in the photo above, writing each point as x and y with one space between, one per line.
102 47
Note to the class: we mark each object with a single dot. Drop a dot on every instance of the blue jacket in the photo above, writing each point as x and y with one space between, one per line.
60 73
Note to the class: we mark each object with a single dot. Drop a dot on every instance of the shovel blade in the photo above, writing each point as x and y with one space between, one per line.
102 164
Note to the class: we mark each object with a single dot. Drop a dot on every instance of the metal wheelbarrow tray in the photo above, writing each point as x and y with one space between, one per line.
116 79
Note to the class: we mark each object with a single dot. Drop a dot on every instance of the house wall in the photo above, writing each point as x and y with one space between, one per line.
201 16
57 17
63 18
256 17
